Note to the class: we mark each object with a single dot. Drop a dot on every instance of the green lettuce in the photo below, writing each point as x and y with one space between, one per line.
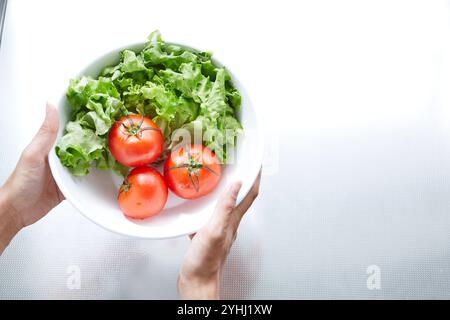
78 147
175 86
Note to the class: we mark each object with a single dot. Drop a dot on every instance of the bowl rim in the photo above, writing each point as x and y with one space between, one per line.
138 46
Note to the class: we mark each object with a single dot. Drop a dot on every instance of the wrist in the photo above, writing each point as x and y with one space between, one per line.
191 288
10 223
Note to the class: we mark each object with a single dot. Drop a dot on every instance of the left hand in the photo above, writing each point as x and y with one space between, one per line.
30 192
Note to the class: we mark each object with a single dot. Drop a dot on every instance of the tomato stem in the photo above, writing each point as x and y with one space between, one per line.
135 129
125 187
193 166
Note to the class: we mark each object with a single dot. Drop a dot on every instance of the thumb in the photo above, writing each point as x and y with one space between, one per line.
227 201
225 207
45 137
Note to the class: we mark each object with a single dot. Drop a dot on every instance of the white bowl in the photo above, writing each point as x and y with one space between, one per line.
95 195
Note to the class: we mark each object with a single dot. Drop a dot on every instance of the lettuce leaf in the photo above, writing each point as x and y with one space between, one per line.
78 148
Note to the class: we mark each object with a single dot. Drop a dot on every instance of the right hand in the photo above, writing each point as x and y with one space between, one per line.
200 272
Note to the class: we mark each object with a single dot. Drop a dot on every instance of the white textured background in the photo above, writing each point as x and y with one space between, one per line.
356 99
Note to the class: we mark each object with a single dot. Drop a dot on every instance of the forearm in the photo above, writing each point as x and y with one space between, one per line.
190 289
9 226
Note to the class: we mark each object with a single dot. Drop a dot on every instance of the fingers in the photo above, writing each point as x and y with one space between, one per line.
225 206
242 208
43 141
227 201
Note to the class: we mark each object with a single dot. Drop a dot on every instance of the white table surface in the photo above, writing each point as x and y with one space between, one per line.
355 96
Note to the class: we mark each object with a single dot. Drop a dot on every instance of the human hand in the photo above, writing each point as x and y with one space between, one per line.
30 191
199 276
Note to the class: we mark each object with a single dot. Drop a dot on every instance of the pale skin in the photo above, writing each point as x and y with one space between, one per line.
30 193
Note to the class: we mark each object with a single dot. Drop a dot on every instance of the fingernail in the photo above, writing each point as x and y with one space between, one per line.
47 108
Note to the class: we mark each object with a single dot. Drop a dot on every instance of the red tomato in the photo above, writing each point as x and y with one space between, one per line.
143 193
135 141
192 171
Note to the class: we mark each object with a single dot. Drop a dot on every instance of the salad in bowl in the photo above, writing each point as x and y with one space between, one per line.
149 134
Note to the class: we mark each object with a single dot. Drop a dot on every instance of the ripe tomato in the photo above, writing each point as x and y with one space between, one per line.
192 171
143 193
135 141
